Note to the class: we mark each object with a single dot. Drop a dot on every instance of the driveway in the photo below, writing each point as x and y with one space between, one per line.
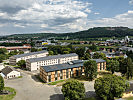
28 88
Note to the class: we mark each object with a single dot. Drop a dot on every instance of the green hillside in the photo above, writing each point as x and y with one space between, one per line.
97 32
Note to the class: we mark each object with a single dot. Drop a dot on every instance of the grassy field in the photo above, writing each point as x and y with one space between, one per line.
56 82
8 97
129 98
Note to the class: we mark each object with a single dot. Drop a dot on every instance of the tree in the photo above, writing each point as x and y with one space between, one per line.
86 56
129 72
65 52
110 86
3 50
21 63
98 55
1 84
126 67
73 90
34 50
90 68
21 52
113 65
80 52
93 47
51 53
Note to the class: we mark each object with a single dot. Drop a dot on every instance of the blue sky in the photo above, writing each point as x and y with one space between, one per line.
61 16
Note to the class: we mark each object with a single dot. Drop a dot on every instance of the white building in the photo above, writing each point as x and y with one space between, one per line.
14 59
35 63
9 72
1 66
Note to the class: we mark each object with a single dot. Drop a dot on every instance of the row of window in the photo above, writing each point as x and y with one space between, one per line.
67 74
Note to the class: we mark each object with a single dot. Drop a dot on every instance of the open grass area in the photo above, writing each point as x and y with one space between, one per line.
56 82
20 76
8 97
91 98
129 98
81 45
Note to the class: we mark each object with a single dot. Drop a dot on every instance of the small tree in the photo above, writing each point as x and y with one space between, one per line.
113 65
110 86
90 69
21 63
1 84
51 53
73 90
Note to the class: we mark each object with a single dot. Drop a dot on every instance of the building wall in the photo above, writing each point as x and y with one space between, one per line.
35 65
13 74
13 60
59 75
66 73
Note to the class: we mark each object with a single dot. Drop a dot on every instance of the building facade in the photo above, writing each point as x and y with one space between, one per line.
35 63
64 71
14 59
9 72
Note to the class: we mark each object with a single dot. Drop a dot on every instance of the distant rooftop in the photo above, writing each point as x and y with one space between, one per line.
52 57
28 54
73 64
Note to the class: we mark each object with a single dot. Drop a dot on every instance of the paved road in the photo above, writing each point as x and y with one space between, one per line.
29 89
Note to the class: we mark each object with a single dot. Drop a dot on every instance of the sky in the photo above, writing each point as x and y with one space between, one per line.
62 16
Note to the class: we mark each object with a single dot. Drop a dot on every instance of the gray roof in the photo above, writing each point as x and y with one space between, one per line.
52 57
74 64
7 70
28 54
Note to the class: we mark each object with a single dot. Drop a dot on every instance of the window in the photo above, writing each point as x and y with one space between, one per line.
67 73
100 66
49 78
61 74
55 75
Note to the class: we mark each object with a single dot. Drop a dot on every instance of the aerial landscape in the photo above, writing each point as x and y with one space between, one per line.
66 49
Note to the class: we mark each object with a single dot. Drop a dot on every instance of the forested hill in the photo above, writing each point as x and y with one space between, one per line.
90 33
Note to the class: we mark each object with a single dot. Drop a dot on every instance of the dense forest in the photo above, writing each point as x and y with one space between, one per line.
97 32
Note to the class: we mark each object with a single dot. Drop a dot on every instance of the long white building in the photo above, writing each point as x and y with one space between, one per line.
14 59
35 63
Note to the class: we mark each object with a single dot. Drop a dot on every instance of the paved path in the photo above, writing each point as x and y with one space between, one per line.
29 89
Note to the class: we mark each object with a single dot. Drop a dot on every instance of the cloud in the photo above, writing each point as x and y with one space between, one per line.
88 10
124 19
96 13
56 15
131 2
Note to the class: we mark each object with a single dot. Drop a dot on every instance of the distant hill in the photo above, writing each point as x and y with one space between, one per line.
97 32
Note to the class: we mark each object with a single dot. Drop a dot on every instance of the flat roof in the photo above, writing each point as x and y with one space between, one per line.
31 53
73 64
52 57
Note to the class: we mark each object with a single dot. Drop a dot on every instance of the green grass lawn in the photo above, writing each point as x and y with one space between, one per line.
56 82
129 98
8 97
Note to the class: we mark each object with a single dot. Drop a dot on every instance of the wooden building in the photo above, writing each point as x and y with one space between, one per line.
64 71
